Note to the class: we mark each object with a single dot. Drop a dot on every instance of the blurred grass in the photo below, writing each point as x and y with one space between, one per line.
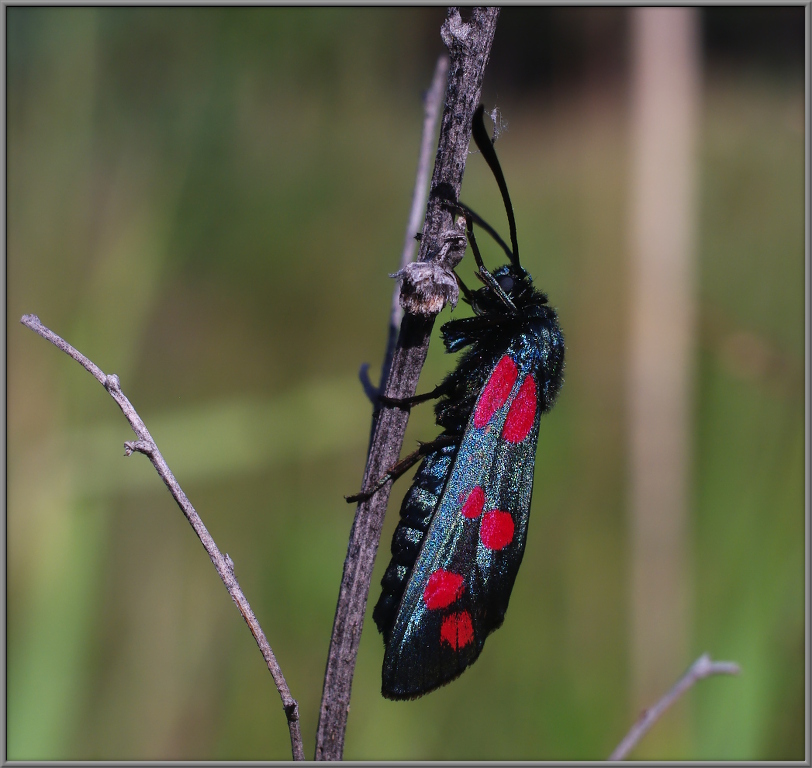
207 202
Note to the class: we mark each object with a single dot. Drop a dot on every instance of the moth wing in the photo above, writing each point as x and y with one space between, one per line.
459 588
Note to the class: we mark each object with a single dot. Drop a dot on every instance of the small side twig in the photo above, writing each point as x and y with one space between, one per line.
223 564
431 109
703 667
432 105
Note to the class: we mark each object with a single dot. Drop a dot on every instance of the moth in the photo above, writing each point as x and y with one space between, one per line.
463 522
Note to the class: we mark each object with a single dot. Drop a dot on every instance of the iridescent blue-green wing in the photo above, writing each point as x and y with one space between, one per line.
460 585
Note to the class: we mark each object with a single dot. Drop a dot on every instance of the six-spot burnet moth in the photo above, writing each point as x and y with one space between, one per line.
463 526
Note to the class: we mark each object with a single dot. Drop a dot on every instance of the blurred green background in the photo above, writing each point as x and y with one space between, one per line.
208 202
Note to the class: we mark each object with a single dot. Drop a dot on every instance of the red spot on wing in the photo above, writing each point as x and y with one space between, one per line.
496 391
442 589
457 630
522 412
473 505
496 531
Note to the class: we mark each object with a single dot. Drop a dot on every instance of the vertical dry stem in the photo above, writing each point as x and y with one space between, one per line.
469 45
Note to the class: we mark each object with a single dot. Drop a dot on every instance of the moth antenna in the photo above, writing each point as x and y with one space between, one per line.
489 153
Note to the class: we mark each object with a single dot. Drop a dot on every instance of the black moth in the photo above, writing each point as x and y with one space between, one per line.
463 526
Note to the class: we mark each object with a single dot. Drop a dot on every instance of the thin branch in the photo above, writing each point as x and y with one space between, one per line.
431 110
469 46
224 565
703 667
432 103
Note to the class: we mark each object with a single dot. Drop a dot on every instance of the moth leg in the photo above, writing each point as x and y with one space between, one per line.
396 470
407 402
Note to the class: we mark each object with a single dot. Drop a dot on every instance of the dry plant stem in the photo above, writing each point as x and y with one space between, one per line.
431 110
225 567
432 104
469 46
703 667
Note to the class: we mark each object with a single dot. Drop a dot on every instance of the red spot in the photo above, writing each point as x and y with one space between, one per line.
496 391
522 412
496 531
473 506
443 588
457 630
